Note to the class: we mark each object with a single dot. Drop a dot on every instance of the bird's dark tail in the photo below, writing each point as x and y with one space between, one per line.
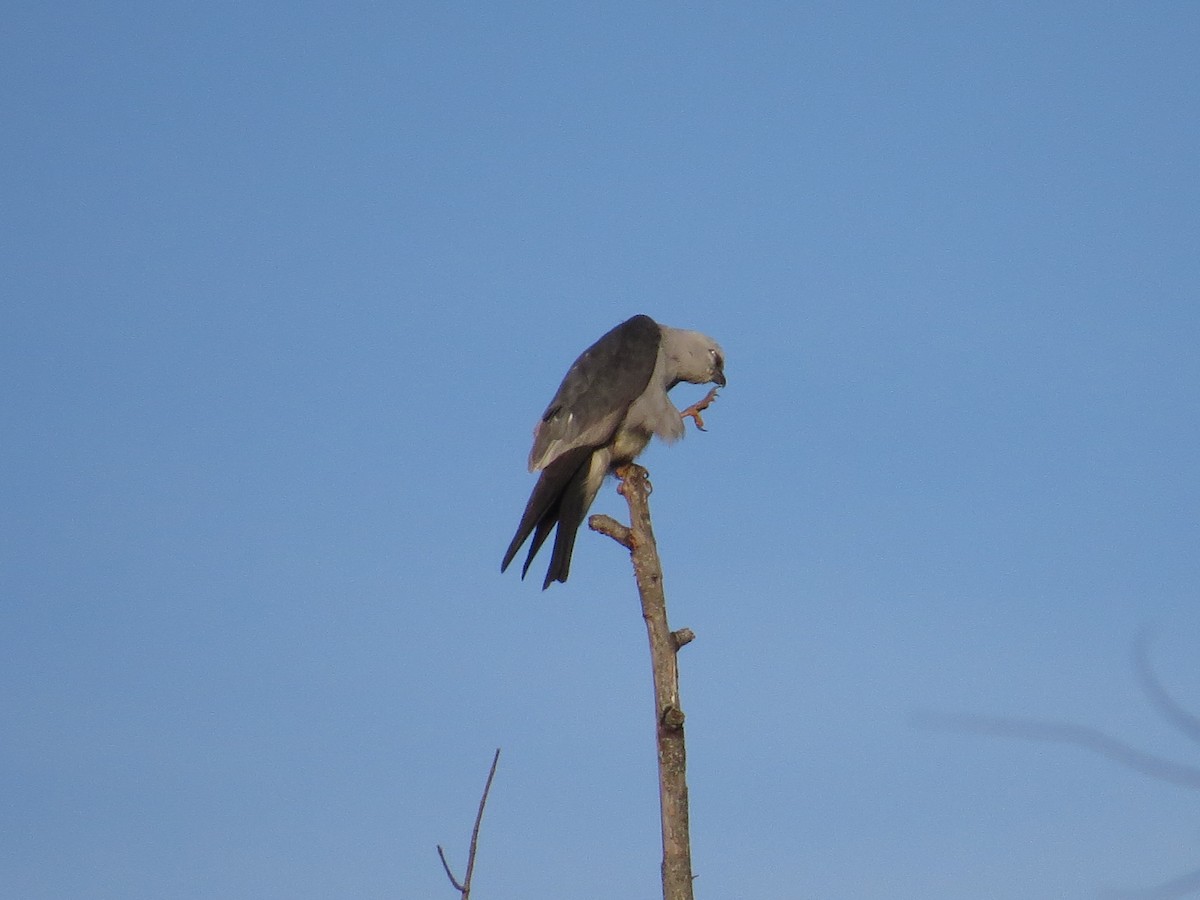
554 494
573 505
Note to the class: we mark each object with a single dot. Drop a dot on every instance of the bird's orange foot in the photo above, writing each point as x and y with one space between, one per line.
693 411
626 473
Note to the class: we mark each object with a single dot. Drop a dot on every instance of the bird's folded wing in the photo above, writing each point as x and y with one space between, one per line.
597 391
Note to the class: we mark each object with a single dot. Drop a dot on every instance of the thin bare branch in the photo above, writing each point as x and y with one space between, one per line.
1066 733
1171 890
445 865
1099 742
1185 722
464 887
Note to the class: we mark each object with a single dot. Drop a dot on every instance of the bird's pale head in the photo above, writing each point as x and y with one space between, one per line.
693 357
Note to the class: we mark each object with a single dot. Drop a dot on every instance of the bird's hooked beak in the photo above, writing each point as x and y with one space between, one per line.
718 377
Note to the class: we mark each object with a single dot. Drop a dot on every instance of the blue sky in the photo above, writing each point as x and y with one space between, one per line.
286 288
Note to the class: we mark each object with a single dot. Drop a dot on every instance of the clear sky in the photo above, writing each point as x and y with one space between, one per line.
285 288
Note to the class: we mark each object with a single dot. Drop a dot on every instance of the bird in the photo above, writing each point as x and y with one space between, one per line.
612 400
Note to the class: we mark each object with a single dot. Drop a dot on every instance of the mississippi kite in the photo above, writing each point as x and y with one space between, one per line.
612 400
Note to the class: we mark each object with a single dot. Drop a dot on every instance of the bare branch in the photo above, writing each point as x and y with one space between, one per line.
464 887
664 644
454 881
1185 722
614 529
1066 733
1176 887
1100 743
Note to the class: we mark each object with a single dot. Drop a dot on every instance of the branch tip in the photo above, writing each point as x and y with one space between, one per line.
445 865
614 529
683 637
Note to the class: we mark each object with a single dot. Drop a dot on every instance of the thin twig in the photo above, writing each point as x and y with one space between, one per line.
1186 722
465 891
1100 743
1065 733
1171 890
464 887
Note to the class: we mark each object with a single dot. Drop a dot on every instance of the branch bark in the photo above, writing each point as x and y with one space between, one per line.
664 644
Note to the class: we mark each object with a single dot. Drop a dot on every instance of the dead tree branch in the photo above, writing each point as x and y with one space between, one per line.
1090 738
1171 890
664 644
613 528
1100 743
464 887
1185 722
1065 733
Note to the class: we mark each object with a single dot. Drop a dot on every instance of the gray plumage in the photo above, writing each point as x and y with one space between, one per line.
611 402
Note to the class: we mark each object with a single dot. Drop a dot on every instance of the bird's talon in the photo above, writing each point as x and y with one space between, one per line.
693 411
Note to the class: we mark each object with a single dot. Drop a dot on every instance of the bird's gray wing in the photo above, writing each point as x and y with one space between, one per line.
597 391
